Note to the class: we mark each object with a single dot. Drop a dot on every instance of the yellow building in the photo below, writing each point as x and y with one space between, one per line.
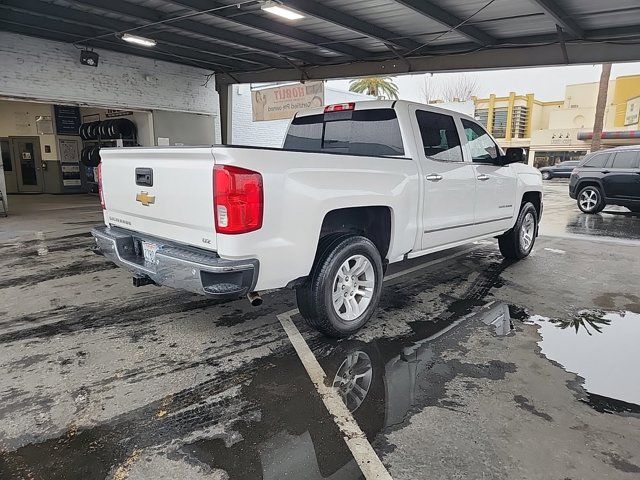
558 131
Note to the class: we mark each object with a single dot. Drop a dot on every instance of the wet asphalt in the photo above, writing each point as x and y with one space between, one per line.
473 367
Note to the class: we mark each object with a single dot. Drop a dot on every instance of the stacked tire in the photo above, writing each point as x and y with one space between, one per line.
103 130
108 129
90 155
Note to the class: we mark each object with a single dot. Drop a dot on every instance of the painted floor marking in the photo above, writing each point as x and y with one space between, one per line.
362 451
367 459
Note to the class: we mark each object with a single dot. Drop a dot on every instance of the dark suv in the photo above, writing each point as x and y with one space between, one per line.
607 177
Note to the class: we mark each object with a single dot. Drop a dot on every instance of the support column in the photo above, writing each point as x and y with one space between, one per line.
225 97
492 106
529 128
508 134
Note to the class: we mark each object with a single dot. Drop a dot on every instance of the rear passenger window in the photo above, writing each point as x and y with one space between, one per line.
625 160
439 136
598 161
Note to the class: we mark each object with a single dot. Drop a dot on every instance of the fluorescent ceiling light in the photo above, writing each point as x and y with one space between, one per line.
281 11
145 42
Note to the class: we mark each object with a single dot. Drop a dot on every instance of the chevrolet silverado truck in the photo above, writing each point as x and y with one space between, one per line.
355 187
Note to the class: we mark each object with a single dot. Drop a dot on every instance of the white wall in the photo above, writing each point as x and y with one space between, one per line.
48 70
245 131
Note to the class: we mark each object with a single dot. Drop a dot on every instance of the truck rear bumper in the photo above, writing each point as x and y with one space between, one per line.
177 266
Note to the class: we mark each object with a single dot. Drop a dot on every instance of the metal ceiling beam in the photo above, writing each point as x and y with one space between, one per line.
350 22
447 19
513 54
149 15
232 38
562 18
247 19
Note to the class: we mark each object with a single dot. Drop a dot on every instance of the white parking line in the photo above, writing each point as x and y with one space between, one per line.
362 451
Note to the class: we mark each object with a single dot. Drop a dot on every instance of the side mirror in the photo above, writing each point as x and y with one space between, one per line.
514 155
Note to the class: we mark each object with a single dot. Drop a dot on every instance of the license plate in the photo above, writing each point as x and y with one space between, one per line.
149 251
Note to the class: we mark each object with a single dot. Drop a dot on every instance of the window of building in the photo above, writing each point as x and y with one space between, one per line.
550 158
373 132
625 160
519 123
439 136
482 116
598 160
500 122
483 148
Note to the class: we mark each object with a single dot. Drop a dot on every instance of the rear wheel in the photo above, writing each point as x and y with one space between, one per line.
344 287
518 242
590 199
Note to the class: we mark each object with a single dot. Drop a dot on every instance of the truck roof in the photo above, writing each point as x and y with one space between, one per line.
395 104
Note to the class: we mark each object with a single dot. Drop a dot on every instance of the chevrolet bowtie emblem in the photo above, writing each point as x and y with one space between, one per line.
145 199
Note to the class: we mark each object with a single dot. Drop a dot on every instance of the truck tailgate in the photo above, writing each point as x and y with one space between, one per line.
165 193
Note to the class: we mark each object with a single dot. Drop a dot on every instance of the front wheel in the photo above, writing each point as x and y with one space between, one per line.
546 175
344 287
518 242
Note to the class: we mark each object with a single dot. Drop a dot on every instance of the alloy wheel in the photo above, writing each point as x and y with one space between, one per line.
527 231
588 199
353 287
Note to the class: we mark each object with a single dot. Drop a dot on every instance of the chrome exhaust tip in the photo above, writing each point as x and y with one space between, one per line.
254 299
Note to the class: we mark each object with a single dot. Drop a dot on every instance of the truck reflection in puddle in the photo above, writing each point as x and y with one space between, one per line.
381 382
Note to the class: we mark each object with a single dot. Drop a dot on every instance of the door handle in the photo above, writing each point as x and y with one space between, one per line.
434 177
605 171
484 177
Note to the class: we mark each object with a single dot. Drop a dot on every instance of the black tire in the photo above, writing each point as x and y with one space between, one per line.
547 175
510 243
599 204
315 296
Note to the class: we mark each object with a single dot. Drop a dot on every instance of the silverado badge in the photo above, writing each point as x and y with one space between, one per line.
145 199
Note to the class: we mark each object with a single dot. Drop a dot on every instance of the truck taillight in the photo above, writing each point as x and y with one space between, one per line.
237 199
100 186
339 107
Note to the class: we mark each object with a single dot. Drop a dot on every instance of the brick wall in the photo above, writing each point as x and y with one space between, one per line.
47 70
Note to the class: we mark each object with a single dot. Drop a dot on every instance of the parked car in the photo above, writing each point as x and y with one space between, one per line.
560 170
356 186
608 177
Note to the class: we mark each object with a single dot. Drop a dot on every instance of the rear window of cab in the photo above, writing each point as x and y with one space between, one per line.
374 132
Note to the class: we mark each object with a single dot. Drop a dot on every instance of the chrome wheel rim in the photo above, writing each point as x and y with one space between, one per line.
353 379
546 175
527 231
588 199
353 287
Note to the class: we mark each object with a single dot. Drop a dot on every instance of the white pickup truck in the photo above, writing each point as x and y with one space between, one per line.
356 186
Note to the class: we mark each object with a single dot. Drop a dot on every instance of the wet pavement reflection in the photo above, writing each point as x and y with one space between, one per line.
563 218
602 348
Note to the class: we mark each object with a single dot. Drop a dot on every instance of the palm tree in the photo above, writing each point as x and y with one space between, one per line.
601 106
376 86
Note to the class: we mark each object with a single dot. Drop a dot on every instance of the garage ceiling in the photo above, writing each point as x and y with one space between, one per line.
241 42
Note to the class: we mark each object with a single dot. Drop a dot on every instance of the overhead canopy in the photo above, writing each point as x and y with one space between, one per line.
241 42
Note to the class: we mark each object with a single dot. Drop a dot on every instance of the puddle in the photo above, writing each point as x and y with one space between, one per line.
601 347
